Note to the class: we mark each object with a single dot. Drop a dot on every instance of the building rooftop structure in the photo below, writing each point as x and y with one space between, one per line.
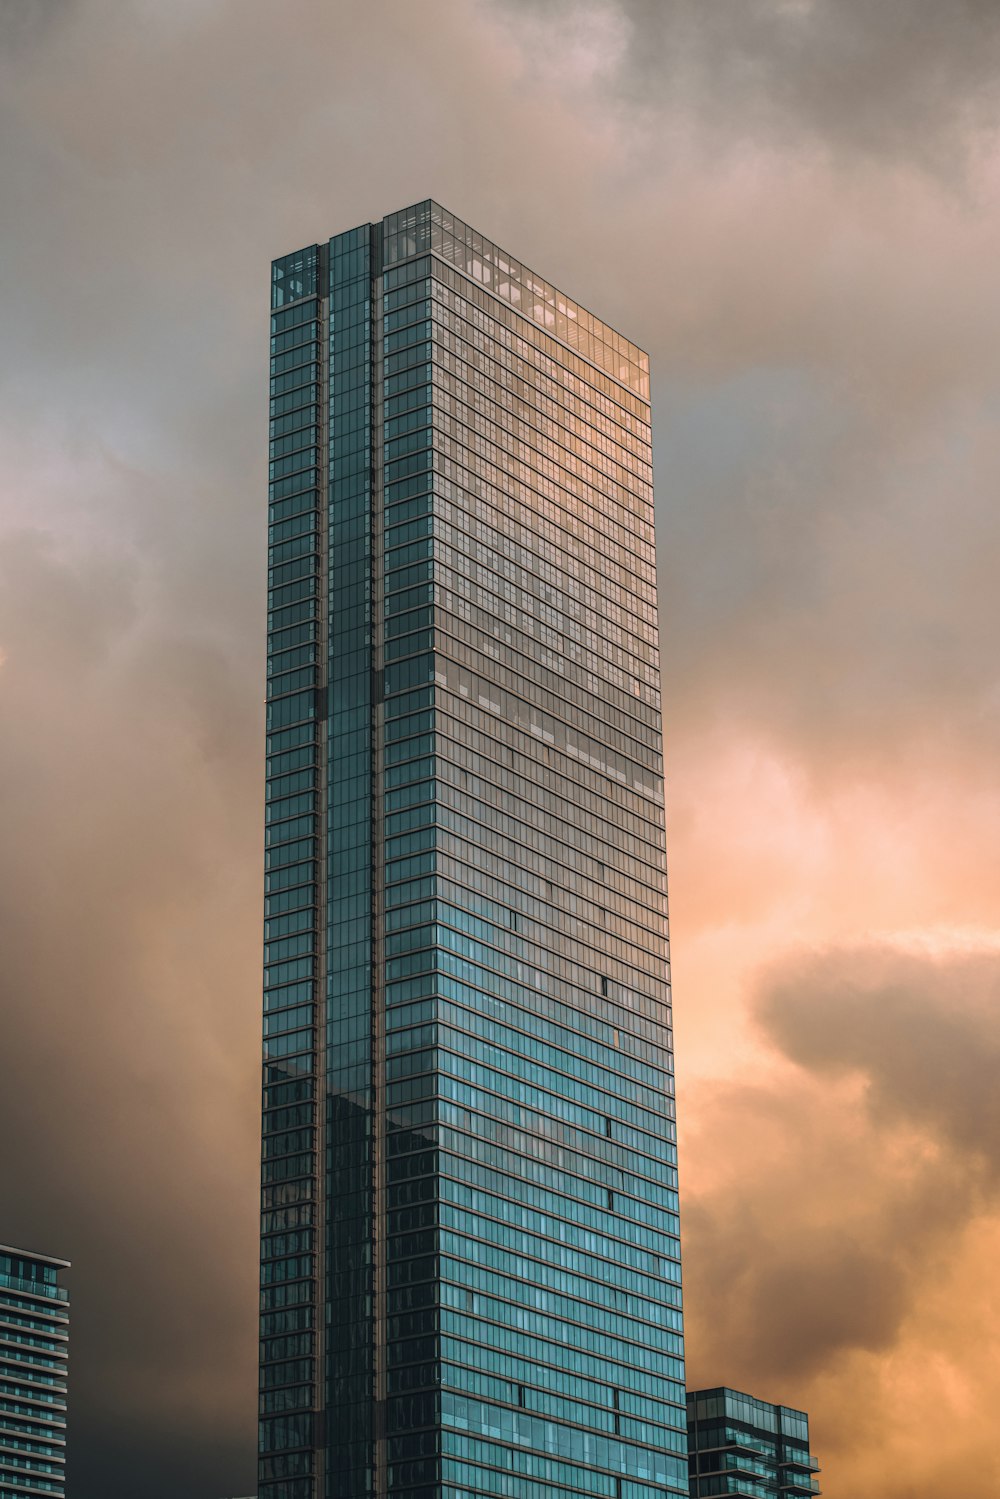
740 1445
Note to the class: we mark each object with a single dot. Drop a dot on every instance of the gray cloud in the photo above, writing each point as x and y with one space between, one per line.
924 1033
850 612
910 79
23 22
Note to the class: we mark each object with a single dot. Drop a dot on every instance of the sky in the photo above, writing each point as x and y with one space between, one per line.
793 205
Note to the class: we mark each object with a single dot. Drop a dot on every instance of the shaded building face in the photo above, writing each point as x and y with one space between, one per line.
470 1271
34 1333
740 1445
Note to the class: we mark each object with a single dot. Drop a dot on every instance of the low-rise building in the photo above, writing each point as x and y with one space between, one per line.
34 1348
739 1445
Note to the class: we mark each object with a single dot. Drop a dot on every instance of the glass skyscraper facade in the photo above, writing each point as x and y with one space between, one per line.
34 1333
744 1446
470 1274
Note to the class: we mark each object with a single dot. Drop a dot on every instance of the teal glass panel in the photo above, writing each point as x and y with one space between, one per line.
349 1185
470 1148
34 1332
740 1445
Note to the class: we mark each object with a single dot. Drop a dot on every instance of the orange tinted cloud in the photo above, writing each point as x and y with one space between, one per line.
843 1200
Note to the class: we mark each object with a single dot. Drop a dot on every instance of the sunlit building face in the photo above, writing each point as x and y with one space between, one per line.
470 1275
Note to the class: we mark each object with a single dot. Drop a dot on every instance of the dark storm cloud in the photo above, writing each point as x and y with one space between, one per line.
832 1208
908 78
925 1035
128 1100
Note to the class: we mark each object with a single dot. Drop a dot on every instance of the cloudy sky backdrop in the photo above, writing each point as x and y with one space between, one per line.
793 204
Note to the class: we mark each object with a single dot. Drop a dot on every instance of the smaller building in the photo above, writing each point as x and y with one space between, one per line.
743 1446
34 1338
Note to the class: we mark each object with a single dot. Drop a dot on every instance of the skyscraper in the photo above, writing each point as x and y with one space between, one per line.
742 1445
470 1276
34 1332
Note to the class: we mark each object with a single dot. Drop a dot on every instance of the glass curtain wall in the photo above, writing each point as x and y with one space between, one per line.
292 1321
471 1280
742 1445
34 1333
